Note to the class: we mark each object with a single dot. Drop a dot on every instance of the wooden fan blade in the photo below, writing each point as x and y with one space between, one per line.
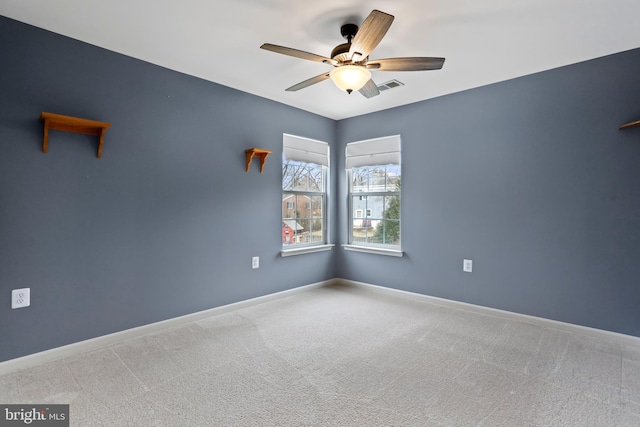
370 34
370 89
406 64
297 53
309 82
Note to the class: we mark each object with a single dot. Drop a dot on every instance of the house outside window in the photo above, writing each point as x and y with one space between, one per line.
305 171
374 173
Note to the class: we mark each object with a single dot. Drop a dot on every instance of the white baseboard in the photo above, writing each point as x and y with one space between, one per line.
539 321
117 337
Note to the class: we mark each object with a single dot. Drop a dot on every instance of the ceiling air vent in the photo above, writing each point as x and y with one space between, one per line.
391 84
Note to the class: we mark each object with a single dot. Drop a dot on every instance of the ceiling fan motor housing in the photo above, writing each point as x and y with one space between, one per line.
340 52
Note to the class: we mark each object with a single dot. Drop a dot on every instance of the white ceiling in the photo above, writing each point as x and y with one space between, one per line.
217 40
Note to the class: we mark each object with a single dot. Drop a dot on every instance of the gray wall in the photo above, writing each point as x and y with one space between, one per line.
531 179
164 224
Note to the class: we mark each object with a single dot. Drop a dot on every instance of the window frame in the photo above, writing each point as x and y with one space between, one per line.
307 247
366 196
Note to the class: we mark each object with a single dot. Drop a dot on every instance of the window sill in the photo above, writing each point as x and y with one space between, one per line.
374 250
306 250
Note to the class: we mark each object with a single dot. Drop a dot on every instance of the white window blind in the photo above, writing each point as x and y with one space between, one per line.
305 150
374 152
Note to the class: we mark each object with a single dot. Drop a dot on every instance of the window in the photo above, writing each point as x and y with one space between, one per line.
374 172
305 171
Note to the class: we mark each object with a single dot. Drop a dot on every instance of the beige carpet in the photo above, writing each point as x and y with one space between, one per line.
341 356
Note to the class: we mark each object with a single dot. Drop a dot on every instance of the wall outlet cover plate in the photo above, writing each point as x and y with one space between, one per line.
21 298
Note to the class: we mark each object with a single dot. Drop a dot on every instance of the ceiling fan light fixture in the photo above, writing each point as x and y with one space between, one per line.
350 77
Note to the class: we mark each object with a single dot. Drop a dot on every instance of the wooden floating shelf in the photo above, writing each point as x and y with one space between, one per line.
630 125
72 124
260 153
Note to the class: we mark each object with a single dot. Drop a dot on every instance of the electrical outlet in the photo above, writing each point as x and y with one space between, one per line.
21 298
467 265
255 262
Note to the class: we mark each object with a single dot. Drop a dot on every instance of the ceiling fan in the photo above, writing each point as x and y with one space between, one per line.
351 59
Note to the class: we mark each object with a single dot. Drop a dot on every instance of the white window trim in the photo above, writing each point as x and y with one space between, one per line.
315 149
306 250
371 152
374 250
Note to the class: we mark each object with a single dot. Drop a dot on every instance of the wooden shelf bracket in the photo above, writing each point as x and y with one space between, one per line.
630 125
260 153
72 124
